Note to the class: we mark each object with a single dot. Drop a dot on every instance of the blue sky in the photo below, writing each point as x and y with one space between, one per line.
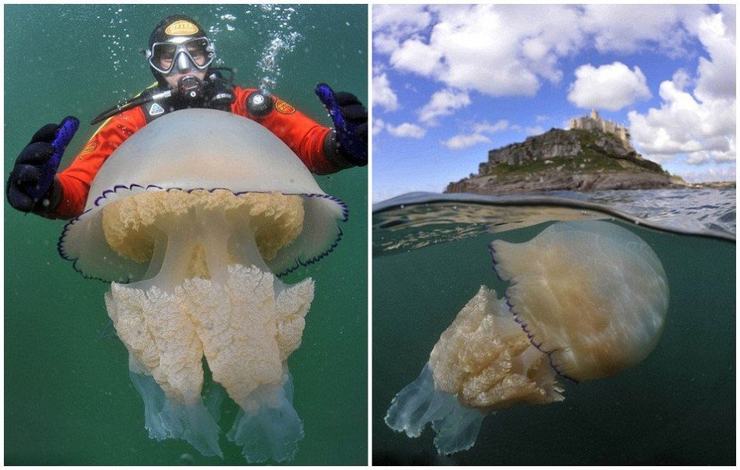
454 81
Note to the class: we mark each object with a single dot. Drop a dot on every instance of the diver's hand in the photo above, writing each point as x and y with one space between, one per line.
25 179
350 123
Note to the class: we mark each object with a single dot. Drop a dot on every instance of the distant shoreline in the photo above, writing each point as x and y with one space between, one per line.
718 185
713 185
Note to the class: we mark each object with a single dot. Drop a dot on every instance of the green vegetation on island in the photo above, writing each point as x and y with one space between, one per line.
594 154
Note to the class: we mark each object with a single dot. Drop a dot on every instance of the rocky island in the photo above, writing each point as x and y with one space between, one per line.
593 154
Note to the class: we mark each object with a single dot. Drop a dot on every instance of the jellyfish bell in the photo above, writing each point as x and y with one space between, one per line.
591 294
200 149
586 300
193 219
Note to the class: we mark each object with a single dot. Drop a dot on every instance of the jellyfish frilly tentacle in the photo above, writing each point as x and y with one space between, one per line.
484 359
217 205
482 362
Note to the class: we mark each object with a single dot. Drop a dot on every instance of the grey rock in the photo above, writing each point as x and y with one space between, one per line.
579 160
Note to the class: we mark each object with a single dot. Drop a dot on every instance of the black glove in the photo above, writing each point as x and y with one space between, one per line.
26 174
349 139
355 113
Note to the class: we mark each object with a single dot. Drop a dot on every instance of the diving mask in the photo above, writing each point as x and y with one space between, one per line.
185 53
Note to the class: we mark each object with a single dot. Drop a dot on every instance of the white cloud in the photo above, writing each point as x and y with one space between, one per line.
393 22
415 56
682 79
610 87
706 156
478 136
629 28
704 131
378 126
716 76
718 173
497 50
485 126
534 130
700 123
400 18
383 94
384 43
443 103
507 50
462 141
407 130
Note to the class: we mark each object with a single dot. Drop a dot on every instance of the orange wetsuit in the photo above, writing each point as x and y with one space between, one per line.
302 134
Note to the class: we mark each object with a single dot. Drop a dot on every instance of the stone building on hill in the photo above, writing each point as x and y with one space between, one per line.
595 122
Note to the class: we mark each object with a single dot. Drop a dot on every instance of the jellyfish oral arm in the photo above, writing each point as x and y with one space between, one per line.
209 292
482 362
203 248
421 403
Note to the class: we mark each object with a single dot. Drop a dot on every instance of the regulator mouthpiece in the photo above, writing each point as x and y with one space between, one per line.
190 87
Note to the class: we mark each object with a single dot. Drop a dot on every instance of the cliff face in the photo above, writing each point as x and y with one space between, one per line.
559 159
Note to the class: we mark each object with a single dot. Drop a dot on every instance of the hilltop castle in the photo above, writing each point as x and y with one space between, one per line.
560 143
594 122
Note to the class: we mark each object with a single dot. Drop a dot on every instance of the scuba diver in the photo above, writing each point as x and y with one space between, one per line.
180 56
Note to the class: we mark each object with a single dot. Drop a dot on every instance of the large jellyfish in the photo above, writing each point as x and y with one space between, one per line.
585 300
190 218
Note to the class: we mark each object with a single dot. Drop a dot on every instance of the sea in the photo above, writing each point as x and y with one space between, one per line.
68 397
690 210
677 407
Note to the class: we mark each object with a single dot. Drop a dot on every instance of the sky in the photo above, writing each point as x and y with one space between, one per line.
451 82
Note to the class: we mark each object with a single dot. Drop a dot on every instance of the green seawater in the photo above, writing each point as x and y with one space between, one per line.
68 398
676 407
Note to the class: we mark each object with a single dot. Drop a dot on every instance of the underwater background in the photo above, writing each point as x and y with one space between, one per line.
677 407
68 398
